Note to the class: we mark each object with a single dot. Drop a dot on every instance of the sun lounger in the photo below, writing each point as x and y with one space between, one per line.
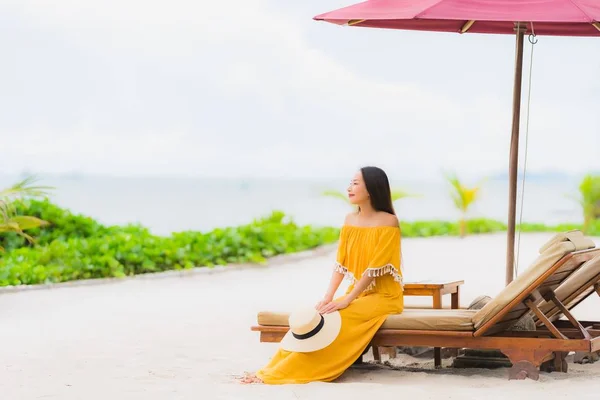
567 268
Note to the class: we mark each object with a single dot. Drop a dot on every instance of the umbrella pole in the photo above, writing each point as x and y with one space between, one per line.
514 154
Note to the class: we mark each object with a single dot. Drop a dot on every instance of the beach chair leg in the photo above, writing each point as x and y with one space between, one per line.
437 357
376 355
558 364
378 351
526 362
437 352
455 299
560 361
390 351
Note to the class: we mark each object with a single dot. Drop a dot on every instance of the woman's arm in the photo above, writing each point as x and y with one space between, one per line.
334 284
359 287
337 276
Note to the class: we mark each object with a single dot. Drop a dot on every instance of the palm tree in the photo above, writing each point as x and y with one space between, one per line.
589 190
463 198
9 220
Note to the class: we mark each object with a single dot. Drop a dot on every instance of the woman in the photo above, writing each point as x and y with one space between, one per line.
368 255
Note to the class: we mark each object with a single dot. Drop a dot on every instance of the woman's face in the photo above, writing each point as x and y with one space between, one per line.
357 191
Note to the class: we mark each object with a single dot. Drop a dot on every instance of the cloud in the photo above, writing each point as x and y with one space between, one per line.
134 87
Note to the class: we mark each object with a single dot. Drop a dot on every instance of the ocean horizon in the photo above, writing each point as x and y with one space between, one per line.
172 204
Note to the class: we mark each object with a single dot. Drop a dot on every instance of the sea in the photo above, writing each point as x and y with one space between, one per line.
172 204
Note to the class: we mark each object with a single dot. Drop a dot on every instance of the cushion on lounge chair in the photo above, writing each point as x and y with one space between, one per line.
431 320
560 245
409 319
567 291
575 236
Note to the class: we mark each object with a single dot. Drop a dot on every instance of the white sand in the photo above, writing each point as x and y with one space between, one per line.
187 338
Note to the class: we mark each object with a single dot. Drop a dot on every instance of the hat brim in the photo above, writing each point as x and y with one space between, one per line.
326 336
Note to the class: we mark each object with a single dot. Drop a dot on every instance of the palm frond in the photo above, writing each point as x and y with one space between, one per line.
9 221
399 194
396 194
25 188
461 195
336 194
14 227
27 222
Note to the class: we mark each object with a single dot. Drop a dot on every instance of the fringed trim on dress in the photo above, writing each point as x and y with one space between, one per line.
343 270
372 272
386 269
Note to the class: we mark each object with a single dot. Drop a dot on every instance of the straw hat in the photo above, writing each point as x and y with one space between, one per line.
311 331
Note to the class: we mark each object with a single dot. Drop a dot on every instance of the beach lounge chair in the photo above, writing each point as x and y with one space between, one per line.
566 271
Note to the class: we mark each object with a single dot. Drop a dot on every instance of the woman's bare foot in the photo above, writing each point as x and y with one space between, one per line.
250 378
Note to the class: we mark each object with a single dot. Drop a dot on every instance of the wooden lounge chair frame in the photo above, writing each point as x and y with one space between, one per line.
526 350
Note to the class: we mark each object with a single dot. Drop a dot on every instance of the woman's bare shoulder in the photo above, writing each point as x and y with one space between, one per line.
387 219
351 218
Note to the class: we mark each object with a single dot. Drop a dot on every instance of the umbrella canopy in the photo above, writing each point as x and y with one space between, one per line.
542 17
518 17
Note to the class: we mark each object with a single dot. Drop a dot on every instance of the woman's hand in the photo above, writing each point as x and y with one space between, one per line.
333 306
322 303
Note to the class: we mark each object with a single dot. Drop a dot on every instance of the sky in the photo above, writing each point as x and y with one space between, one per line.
257 88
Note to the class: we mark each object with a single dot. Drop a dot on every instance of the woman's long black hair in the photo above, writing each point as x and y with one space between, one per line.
378 186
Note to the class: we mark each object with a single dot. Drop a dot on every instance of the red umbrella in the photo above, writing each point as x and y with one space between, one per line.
519 17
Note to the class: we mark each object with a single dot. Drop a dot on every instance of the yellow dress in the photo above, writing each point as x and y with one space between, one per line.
362 250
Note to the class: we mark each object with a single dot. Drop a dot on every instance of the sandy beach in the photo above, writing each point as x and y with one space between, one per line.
189 337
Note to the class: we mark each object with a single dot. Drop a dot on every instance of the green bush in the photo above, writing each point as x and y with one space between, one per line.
63 225
428 228
78 247
593 227
478 226
75 247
